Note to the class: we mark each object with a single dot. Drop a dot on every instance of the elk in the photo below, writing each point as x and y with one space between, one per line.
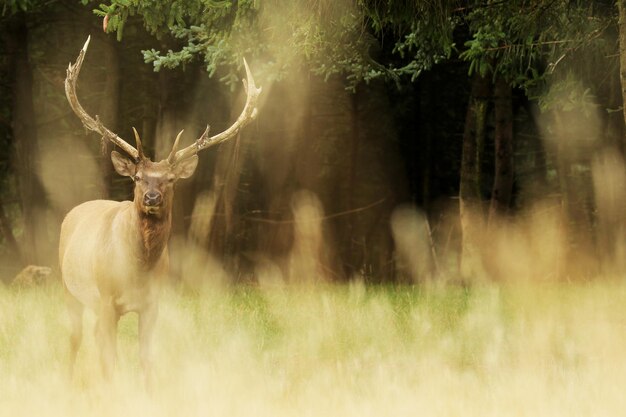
112 254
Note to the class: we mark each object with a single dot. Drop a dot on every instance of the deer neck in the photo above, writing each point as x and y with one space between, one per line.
154 232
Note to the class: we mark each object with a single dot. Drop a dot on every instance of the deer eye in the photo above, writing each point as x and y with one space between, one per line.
171 178
137 178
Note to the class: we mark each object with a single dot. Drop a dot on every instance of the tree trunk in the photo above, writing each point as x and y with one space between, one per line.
350 261
621 5
424 134
31 192
7 232
470 210
504 168
225 237
576 192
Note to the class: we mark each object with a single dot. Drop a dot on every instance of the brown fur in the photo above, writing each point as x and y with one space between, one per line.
113 255
155 233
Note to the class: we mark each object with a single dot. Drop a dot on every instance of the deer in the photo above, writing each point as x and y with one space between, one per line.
113 255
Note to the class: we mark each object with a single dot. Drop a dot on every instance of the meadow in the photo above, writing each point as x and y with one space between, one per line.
553 349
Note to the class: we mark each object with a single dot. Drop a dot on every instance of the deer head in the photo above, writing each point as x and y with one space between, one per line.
154 181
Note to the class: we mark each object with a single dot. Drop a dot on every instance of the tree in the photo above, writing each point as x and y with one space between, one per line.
24 133
38 100
504 150
621 6
470 200
532 46
335 71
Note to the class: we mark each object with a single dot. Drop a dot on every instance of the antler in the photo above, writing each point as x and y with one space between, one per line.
248 114
89 122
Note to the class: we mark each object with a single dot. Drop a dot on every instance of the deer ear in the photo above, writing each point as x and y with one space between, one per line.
186 167
123 165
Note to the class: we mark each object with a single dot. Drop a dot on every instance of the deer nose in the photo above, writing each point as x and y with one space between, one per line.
152 198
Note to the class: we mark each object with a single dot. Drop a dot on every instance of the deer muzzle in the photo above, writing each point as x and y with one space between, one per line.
152 199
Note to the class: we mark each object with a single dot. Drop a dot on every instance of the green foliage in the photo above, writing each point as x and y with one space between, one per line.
568 94
522 40
485 39
525 41
424 47
325 37
15 6
116 19
205 29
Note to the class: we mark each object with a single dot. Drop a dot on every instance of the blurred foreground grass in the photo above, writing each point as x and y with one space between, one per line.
336 350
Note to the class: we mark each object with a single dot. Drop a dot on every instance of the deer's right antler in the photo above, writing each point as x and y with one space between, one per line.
89 122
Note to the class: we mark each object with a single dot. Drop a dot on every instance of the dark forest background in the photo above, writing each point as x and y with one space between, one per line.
467 111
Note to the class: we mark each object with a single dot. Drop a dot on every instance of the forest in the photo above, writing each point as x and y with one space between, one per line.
419 211
396 141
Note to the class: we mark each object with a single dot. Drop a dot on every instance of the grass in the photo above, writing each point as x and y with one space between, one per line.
543 350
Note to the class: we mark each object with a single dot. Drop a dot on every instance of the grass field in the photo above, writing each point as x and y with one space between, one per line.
349 350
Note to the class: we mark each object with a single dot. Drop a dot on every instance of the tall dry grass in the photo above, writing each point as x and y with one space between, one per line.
528 350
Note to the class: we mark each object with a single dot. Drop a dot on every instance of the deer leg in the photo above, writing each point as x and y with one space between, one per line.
106 336
75 310
147 319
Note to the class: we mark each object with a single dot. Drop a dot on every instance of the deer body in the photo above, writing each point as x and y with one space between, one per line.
113 255
101 256
106 238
